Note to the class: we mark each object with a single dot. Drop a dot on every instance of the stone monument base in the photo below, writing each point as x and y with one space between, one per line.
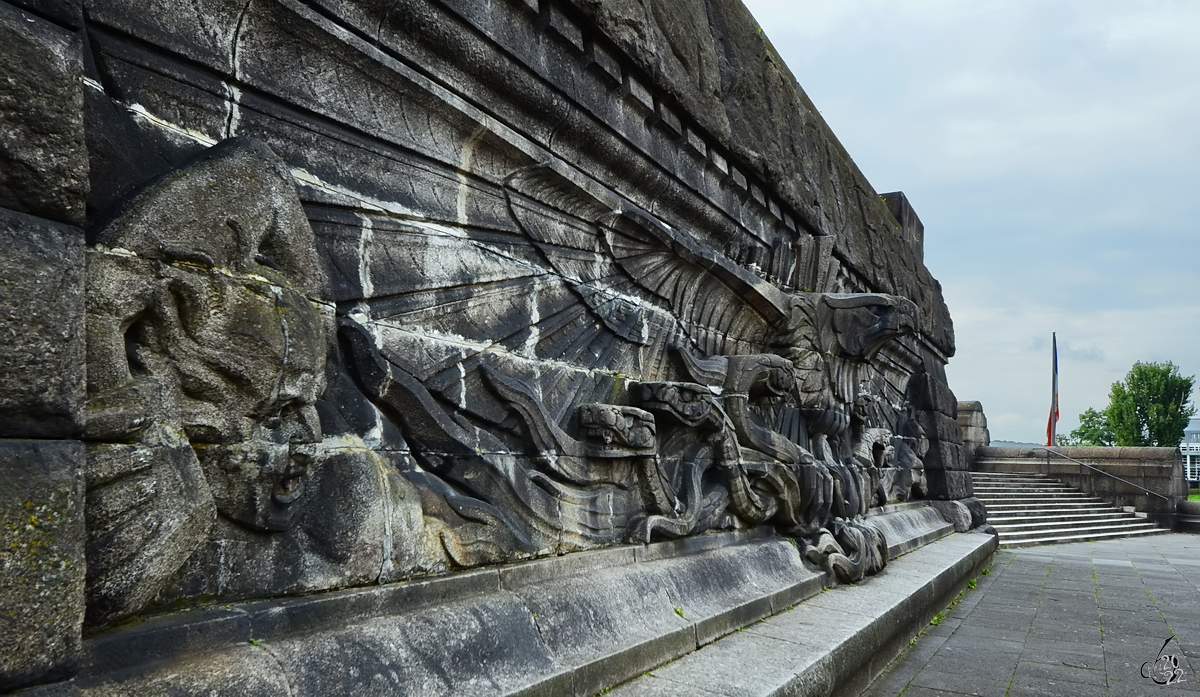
570 625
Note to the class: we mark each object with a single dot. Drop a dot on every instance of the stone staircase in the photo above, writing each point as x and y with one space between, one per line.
1032 509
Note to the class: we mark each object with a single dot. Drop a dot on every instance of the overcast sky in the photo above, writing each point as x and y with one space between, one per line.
1052 150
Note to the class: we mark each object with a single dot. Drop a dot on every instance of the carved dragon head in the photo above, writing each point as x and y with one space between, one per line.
688 403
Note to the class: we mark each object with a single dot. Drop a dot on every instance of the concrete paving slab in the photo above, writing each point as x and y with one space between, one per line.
961 684
1061 673
1051 603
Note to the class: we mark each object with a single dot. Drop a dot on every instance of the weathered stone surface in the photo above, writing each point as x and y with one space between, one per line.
977 509
931 394
911 228
43 164
835 643
948 485
148 509
943 455
41 327
359 522
68 13
41 560
246 670
912 526
938 426
576 275
206 344
973 423
956 512
763 117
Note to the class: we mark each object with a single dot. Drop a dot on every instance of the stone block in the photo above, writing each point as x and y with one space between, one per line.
246 670
930 394
41 327
938 426
43 161
956 513
68 13
41 560
948 485
944 456
977 509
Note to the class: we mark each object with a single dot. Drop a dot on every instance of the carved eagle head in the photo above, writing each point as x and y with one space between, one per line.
858 325
847 325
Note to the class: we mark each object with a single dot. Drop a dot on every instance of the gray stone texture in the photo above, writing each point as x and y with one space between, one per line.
41 560
43 162
973 423
735 84
377 291
834 643
41 327
569 625
67 13
956 513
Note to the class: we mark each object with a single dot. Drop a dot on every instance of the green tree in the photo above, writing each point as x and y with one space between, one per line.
1151 406
1094 429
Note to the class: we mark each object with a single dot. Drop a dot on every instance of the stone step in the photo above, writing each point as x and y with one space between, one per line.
1009 487
1072 536
1069 497
1029 509
1009 530
1065 518
1030 501
1020 494
1002 486
1049 510
835 644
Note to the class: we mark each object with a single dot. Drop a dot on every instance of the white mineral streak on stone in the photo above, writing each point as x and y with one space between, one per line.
114 251
283 327
464 167
374 436
365 240
476 347
364 201
462 382
141 112
93 84
535 333
385 569
234 117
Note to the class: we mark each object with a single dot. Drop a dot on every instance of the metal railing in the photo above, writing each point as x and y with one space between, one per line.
1050 452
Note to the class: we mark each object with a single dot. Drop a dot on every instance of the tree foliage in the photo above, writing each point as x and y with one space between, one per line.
1094 429
1151 406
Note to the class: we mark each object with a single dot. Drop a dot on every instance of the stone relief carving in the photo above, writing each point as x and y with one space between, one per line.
642 386
728 402
206 353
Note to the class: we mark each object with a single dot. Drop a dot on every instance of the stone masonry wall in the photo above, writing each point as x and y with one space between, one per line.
305 295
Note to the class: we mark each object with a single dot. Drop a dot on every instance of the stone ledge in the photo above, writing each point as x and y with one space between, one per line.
834 644
720 582
565 625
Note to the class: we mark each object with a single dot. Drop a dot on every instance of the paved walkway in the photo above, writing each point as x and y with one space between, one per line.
1064 620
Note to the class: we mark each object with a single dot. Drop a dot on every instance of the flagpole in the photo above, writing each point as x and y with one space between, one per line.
1052 423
